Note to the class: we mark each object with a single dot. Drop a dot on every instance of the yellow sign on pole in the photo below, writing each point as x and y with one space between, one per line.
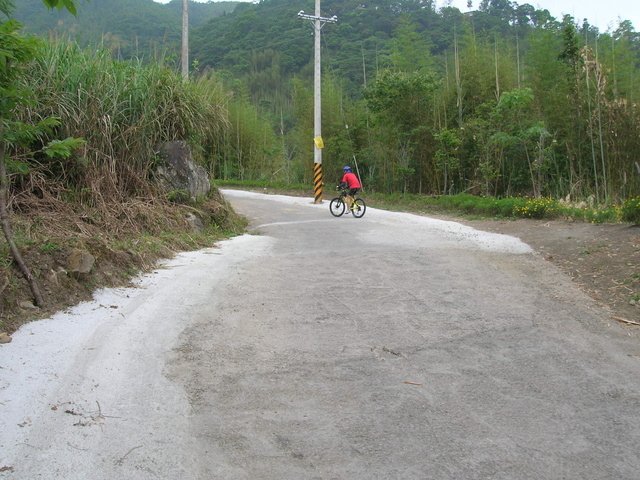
318 142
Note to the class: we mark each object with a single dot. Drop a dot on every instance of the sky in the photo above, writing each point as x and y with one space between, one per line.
602 13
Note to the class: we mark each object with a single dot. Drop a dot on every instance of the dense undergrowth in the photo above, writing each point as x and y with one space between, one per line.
123 110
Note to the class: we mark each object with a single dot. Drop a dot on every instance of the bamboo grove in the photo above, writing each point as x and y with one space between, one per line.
499 102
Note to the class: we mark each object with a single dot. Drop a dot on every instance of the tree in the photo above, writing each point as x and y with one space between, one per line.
60 4
410 50
447 161
402 105
522 141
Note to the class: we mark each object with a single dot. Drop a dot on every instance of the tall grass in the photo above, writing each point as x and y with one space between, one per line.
124 110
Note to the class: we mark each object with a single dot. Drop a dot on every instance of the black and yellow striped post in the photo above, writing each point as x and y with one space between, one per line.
317 182
318 145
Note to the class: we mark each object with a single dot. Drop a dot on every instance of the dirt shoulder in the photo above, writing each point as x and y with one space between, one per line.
119 247
603 260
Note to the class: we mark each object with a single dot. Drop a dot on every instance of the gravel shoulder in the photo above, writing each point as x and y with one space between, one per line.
603 260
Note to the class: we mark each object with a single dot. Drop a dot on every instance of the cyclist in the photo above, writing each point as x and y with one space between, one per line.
350 180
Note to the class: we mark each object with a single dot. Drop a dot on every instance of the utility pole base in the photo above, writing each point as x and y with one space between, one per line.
317 182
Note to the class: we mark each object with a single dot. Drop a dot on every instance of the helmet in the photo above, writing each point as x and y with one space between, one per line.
346 168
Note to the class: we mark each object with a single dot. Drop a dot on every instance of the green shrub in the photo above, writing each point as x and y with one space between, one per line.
505 207
631 210
267 184
537 208
124 111
601 215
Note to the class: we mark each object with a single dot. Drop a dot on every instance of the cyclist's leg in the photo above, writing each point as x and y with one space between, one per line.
352 197
348 198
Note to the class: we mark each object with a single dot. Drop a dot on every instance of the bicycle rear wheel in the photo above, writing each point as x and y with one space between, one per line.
358 208
336 207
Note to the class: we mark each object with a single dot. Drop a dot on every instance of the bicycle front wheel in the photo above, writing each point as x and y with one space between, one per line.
336 207
358 208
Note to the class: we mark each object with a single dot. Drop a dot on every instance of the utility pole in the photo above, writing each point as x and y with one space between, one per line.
318 145
185 39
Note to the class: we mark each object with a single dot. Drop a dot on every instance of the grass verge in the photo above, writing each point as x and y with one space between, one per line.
512 207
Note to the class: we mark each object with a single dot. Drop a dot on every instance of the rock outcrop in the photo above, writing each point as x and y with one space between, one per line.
178 172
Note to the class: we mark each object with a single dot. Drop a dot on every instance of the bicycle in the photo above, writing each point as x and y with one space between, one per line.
338 205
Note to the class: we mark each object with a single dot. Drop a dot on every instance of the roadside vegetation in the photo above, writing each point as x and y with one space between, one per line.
512 207
80 134
471 205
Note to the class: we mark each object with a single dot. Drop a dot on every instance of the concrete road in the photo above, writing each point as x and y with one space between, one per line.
387 347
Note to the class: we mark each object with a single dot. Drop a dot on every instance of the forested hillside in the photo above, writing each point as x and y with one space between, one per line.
140 28
505 100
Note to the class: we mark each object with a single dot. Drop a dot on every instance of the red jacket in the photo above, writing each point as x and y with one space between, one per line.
351 180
